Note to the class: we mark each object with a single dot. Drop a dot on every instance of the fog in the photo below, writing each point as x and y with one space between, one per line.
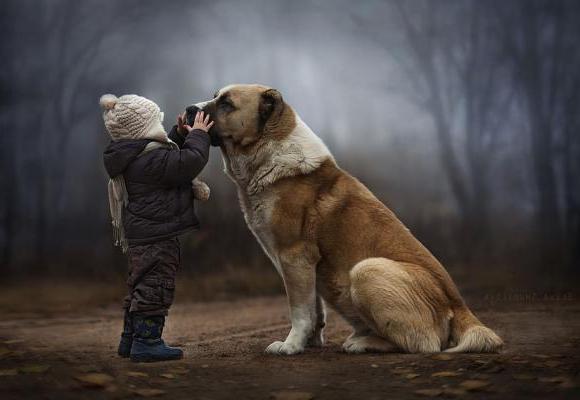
462 116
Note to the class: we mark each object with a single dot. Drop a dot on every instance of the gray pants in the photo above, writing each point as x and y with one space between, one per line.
151 280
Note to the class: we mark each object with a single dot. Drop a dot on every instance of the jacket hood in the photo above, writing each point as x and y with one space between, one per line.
119 154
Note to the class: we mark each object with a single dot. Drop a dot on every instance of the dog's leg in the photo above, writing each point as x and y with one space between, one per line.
364 340
369 343
298 271
317 339
388 299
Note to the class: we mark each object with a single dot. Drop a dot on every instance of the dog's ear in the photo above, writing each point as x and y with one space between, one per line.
271 105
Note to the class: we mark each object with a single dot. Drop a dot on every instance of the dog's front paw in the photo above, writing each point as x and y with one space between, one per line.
354 347
200 190
283 348
316 340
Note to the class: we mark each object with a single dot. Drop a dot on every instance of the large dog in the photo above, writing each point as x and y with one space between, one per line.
332 240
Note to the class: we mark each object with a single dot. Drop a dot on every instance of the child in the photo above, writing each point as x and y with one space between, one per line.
151 198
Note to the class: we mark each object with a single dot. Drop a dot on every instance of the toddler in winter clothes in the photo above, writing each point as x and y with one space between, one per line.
151 195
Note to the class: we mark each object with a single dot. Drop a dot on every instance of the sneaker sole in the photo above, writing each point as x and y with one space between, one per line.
148 358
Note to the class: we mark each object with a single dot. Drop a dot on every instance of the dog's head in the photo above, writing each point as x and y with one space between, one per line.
245 114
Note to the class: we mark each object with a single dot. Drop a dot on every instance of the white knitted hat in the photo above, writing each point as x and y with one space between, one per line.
132 117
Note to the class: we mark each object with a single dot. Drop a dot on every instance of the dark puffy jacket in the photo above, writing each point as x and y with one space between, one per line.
159 185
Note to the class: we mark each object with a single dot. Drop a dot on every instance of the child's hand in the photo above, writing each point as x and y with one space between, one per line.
201 122
181 119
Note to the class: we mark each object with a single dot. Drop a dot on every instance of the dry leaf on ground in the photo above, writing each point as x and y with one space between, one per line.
34 369
179 371
453 392
137 374
445 374
96 380
441 357
291 395
429 392
524 377
553 379
148 392
4 351
167 376
474 384
8 372
403 371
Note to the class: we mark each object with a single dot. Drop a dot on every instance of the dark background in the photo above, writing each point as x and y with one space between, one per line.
462 116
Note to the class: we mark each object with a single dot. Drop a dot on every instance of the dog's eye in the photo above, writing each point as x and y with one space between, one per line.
226 106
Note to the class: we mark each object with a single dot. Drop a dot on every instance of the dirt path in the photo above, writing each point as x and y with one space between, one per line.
74 357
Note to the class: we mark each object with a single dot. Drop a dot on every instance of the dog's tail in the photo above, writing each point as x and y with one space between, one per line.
470 335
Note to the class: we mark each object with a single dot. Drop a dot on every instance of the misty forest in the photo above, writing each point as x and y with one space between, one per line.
461 116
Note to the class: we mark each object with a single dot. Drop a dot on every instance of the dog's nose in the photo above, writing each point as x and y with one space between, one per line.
192 109
190 114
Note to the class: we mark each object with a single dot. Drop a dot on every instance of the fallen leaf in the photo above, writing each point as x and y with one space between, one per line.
412 376
168 376
452 392
8 372
137 374
4 351
403 371
543 356
13 341
205 366
568 384
442 357
553 379
291 395
34 369
524 377
148 392
84 368
111 388
474 384
552 363
429 392
374 366
179 371
95 380
445 374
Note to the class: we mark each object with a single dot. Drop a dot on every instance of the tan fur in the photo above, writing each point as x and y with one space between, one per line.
331 238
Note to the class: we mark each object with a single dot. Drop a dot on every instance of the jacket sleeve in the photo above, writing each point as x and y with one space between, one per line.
175 136
183 165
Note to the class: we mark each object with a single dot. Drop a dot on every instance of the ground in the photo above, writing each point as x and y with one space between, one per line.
70 355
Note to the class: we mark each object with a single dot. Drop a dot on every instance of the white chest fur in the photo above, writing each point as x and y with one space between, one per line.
258 210
301 152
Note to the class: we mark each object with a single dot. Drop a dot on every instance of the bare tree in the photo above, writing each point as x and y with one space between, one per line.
456 74
540 38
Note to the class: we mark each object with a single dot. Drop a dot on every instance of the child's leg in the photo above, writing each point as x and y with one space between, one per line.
152 285
153 268
126 342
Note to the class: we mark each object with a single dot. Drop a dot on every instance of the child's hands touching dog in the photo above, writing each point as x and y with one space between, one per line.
201 122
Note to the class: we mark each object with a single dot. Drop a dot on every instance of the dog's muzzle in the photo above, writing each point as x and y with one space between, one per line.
190 113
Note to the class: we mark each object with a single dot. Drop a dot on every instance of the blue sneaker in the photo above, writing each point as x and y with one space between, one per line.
147 343
126 337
